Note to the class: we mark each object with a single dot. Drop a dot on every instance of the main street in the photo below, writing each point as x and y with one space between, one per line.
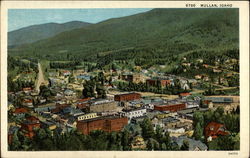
40 78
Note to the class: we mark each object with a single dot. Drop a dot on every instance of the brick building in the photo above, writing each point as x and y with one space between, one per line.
135 78
29 125
214 129
170 107
127 97
107 124
162 82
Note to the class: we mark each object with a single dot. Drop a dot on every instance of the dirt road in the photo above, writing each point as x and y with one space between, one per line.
40 78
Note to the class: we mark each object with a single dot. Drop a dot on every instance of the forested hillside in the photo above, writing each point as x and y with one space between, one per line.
159 36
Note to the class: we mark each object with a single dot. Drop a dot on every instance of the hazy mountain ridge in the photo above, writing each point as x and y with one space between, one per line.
35 33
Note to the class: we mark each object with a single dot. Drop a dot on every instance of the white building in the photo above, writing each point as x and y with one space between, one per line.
134 113
87 116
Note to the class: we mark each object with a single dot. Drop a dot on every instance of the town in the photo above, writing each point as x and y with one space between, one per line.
133 109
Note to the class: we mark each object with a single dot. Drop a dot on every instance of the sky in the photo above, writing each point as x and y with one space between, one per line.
19 18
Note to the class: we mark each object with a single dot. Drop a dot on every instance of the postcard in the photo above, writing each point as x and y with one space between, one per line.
124 79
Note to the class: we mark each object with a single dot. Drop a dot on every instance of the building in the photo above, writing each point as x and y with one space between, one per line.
127 97
170 107
107 124
214 129
27 90
138 143
87 116
11 131
220 99
27 102
103 106
29 125
193 145
134 113
127 77
82 103
155 82
48 124
66 73
20 112
207 104
184 95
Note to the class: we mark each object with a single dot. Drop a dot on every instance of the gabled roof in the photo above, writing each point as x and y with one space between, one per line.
213 129
184 94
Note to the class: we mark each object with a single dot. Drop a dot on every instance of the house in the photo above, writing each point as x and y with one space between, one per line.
217 70
138 143
198 77
127 97
206 65
200 60
20 112
42 100
27 90
184 85
170 122
205 78
68 92
10 106
157 122
207 104
107 124
29 125
27 102
193 145
184 95
186 64
214 129
84 77
66 73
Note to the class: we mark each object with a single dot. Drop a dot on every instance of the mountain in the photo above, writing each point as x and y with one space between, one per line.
154 35
38 32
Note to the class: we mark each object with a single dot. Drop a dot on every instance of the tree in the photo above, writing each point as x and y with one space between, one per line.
101 92
88 90
198 118
185 145
198 132
147 129
15 144
45 91
125 140
158 134
226 143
